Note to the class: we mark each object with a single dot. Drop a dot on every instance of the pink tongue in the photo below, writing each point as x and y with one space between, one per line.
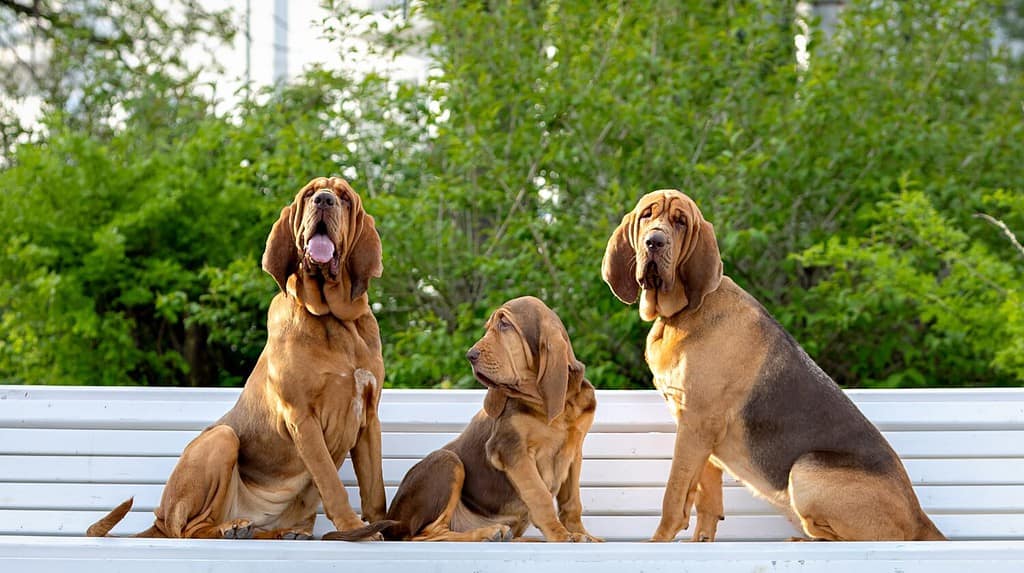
320 248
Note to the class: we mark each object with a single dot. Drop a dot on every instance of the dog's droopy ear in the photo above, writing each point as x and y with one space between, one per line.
281 256
366 259
701 271
553 372
618 268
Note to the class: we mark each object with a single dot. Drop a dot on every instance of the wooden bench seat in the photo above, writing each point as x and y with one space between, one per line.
69 454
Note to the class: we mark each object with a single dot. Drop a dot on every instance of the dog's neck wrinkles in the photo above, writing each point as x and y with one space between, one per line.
322 297
655 303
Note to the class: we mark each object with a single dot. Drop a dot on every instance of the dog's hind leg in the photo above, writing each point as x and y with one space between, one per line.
427 499
838 501
708 503
202 488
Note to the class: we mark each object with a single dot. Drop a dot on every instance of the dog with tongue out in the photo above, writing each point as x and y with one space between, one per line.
311 401
322 233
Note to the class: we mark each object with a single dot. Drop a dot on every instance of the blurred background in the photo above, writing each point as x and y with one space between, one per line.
862 162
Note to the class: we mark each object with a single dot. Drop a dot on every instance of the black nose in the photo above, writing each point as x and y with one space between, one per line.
473 355
655 240
324 199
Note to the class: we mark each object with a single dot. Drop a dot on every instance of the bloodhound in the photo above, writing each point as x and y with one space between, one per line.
746 397
520 453
262 469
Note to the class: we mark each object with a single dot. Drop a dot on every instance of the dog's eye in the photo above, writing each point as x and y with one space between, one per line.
680 221
646 214
504 324
345 198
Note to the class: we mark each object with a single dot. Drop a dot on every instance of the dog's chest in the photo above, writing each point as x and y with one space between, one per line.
553 453
669 375
553 465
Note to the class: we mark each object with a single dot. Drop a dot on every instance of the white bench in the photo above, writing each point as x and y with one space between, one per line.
70 454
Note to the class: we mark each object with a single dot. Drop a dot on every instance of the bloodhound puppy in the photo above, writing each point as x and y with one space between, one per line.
746 397
520 453
264 467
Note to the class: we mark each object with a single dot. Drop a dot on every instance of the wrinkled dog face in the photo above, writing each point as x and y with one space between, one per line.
502 359
325 233
526 354
662 221
322 224
665 251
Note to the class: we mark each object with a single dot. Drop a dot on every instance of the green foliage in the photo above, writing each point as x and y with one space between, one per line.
93 61
844 195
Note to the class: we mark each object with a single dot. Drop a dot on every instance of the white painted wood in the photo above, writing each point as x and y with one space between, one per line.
612 527
596 472
51 555
67 455
610 445
419 411
617 500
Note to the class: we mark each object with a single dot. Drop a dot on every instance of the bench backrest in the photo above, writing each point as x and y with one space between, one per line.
68 455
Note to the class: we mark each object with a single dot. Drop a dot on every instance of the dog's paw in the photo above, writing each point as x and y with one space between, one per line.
237 529
297 535
500 533
583 538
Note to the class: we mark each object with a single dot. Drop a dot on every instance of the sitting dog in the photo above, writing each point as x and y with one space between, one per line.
746 397
516 456
262 469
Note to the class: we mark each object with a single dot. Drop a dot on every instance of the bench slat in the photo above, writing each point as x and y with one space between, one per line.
162 394
631 527
129 470
617 445
596 500
58 555
644 411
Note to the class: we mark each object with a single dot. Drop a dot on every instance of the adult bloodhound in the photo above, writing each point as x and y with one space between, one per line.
746 397
519 454
264 467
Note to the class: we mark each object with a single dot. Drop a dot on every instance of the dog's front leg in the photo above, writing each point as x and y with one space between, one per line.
366 460
692 450
570 508
366 454
524 476
309 440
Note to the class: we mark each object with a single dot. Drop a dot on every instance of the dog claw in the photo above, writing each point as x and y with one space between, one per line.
502 533
583 538
237 529
297 535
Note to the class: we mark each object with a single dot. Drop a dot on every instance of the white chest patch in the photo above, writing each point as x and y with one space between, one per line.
364 380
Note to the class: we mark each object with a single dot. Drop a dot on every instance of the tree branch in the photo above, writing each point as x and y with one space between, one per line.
64 22
1006 230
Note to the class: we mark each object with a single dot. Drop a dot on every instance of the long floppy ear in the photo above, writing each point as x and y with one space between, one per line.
553 372
494 402
366 259
281 257
701 272
619 264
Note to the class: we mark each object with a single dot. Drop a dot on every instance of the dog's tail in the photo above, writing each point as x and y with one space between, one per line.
365 532
102 527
